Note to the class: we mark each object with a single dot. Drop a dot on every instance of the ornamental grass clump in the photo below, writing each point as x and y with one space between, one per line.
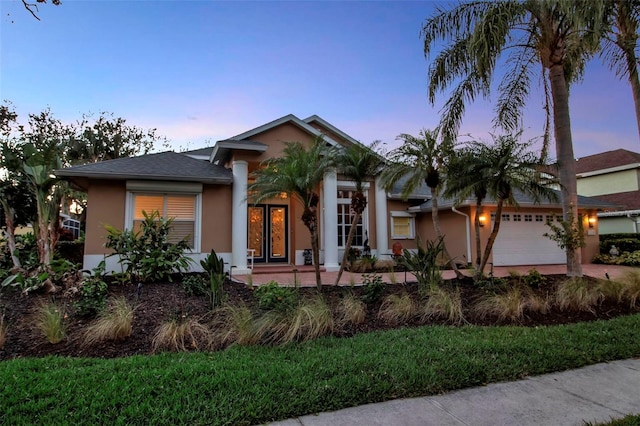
181 335
631 290
3 332
444 304
350 310
578 294
310 319
233 324
511 304
50 321
114 323
397 309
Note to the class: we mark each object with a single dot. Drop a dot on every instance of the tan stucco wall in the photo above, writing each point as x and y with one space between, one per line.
610 183
453 227
216 218
275 139
106 207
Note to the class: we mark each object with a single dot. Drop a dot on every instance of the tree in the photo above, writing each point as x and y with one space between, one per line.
497 171
33 7
297 173
559 36
620 42
420 159
357 163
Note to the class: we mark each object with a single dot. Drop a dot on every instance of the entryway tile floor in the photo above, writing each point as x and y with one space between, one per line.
305 276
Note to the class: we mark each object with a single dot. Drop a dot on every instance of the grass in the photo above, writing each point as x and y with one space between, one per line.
182 335
397 309
631 285
234 324
252 385
351 310
114 323
444 304
510 304
630 420
50 321
578 294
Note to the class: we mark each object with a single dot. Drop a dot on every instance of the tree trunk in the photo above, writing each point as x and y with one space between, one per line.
493 235
352 232
9 216
566 159
477 272
635 85
436 226
310 219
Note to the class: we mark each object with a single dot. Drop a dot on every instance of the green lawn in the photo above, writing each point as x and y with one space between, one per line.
246 385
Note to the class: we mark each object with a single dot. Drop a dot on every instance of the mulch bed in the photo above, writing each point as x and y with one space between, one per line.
158 302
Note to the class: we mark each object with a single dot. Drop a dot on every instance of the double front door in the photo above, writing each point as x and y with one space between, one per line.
268 235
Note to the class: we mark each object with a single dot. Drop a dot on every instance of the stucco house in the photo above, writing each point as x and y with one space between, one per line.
613 176
205 190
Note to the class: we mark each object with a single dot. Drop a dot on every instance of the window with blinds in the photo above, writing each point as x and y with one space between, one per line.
402 226
182 208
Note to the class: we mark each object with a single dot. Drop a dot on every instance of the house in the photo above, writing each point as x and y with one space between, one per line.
613 176
205 190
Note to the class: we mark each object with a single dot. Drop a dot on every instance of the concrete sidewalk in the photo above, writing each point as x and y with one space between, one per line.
596 393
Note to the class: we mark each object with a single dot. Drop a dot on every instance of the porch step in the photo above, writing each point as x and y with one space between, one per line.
283 269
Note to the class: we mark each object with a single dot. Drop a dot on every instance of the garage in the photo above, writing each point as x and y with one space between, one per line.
520 241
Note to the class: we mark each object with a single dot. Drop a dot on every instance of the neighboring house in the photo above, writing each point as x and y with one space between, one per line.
613 176
205 190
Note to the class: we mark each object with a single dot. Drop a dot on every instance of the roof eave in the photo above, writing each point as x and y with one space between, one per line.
127 176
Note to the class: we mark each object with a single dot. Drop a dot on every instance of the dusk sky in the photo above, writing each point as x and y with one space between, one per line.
201 71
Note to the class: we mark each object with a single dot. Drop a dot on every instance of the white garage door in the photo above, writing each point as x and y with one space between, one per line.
521 241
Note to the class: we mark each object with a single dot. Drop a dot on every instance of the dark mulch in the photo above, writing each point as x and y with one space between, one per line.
160 301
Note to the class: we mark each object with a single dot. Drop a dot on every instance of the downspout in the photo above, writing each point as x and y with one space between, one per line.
468 229
635 222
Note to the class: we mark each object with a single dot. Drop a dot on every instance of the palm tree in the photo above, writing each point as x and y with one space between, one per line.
554 36
497 171
420 159
620 43
298 173
357 163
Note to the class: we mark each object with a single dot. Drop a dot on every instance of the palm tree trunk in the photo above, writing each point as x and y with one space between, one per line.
347 247
436 226
566 159
477 273
492 236
635 84
310 219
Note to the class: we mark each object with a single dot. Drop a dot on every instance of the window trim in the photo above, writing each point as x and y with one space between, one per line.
351 186
412 225
166 189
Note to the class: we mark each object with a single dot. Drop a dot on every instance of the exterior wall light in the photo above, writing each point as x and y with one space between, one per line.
592 221
482 219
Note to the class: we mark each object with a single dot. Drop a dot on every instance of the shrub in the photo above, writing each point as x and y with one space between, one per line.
351 310
50 321
272 297
214 268
397 309
577 294
534 279
147 254
373 288
622 244
182 334
424 264
92 294
114 323
26 250
612 290
443 304
195 285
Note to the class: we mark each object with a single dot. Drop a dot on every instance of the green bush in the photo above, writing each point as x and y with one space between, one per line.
272 297
424 264
72 251
534 279
373 288
195 285
627 259
92 296
622 244
147 254
26 251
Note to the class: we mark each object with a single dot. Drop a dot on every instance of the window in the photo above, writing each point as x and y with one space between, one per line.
538 218
528 218
182 208
506 217
345 218
402 225
517 218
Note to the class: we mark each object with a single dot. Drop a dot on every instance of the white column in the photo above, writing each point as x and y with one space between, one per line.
382 231
330 228
239 216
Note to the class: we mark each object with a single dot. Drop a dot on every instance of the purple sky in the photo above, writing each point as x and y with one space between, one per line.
200 71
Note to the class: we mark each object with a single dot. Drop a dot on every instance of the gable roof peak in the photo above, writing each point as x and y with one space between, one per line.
607 160
289 118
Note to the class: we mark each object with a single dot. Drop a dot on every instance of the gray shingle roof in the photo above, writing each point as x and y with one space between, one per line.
161 166
522 199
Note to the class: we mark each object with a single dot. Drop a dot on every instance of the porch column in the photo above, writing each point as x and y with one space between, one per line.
239 218
382 231
330 228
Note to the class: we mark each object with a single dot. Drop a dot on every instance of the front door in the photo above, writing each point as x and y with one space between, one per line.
268 234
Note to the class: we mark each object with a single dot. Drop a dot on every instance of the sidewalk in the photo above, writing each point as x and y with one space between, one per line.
596 393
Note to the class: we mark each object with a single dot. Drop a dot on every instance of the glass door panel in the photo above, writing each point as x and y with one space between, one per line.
256 231
278 233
